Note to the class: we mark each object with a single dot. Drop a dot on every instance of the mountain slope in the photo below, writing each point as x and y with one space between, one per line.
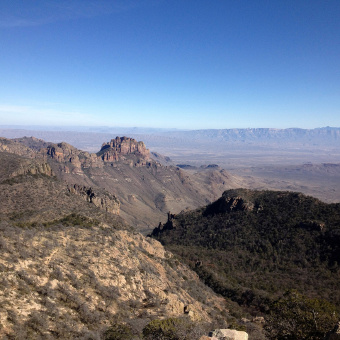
31 193
251 246
123 167
70 267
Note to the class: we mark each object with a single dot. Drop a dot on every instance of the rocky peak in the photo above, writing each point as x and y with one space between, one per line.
120 146
62 151
228 203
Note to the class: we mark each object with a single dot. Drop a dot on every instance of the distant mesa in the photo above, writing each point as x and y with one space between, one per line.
119 146
210 166
202 167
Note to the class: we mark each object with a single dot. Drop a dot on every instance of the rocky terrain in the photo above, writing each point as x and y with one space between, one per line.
123 167
31 193
71 268
70 281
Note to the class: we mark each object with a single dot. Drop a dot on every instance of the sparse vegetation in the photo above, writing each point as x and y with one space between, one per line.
173 329
54 285
118 331
293 316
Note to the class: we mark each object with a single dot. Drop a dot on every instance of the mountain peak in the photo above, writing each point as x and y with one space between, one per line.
119 146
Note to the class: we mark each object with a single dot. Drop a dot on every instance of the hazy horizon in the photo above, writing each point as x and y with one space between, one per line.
89 128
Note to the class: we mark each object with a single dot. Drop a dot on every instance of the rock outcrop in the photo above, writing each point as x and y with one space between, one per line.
72 159
12 146
118 149
104 200
13 166
36 168
227 204
120 146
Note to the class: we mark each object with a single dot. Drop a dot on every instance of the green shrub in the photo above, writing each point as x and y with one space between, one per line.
172 329
295 316
118 331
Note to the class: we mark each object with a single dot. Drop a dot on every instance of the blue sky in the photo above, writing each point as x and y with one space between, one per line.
189 64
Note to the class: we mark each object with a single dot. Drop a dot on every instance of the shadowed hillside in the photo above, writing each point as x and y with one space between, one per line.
252 246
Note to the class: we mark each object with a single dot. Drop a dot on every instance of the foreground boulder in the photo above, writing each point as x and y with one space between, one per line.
228 334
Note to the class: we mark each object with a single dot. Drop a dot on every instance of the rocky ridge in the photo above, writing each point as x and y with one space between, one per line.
104 201
145 188
262 249
75 160
31 191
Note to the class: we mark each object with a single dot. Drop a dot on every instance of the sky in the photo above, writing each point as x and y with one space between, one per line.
185 64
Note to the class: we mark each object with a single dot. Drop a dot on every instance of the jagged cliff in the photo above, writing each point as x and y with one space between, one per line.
31 191
117 148
102 200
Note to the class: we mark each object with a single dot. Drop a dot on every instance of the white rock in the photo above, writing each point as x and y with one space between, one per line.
229 334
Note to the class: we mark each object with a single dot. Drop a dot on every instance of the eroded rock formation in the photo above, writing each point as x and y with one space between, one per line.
37 168
120 146
104 201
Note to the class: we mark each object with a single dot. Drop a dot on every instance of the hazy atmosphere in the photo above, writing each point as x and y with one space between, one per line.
170 64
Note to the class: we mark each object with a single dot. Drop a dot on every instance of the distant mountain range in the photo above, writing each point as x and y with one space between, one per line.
325 136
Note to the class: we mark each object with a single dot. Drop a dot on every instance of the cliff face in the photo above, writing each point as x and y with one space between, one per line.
119 149
102 200
29 185
120 146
